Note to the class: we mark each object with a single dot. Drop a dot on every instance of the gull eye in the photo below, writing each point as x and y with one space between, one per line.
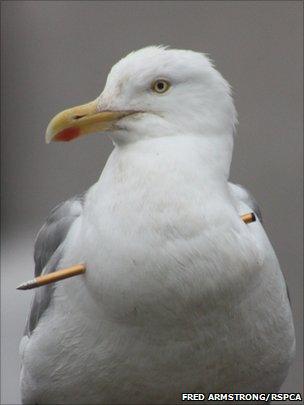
160 86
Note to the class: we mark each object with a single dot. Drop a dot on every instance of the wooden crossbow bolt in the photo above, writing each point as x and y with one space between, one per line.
80 268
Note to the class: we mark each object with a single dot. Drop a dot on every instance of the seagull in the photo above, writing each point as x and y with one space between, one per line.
179 294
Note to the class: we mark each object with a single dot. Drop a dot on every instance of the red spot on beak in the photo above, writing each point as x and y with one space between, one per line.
67 134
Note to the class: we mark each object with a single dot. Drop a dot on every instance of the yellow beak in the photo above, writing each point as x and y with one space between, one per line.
81 120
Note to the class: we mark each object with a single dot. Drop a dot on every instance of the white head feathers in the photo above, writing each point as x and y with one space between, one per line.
198 102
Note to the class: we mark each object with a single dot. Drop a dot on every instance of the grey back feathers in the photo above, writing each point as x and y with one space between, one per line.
48 253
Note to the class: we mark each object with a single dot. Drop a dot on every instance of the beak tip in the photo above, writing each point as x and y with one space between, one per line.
48 138
48 134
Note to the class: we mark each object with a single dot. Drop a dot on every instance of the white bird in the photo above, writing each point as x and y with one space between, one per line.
179 294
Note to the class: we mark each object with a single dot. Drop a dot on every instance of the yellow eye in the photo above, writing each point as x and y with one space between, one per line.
160 86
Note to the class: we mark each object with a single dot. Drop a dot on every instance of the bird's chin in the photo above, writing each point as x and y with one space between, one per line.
128 129
140 126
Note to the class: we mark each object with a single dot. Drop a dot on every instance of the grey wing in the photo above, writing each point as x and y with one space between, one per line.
241 194
48 252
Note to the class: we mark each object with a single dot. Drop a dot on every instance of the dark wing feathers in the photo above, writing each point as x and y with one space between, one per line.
48 252
42 295
54 231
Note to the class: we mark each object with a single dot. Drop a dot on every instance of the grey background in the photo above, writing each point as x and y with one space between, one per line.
57 54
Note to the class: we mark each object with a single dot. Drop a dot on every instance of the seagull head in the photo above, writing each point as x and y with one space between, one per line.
153 92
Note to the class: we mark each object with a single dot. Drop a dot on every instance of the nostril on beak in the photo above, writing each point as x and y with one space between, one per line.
77 117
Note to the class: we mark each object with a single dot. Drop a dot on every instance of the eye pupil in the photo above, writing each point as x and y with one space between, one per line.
160 86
